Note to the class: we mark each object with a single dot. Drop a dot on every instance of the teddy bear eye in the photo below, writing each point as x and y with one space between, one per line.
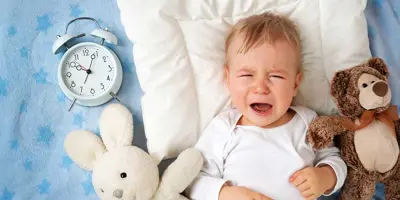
364 85
372 82
123 175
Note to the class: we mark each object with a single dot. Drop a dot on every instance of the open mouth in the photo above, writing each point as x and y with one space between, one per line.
261 108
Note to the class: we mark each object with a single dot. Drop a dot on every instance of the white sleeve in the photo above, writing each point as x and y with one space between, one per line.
331 156
212 145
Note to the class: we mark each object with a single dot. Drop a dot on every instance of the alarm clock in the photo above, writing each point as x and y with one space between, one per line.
89 74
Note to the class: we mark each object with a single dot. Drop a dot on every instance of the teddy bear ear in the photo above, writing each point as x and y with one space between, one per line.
339 84
378 64
116 126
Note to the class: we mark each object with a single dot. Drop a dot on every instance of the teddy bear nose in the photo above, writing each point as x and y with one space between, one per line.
380 89
118 193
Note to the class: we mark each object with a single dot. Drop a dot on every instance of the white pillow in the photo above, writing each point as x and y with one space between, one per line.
179 56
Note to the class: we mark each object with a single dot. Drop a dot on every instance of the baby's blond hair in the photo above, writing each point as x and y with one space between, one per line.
265 28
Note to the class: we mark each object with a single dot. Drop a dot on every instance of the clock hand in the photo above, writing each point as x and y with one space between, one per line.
84 69
89 71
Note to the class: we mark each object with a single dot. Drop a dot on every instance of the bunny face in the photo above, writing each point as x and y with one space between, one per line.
125 173
120 170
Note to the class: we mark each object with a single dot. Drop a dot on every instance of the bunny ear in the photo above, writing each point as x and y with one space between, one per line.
84 147
116 126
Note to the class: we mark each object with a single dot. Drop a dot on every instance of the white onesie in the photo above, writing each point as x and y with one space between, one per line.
260 159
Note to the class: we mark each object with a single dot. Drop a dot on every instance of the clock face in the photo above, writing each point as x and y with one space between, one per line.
88 71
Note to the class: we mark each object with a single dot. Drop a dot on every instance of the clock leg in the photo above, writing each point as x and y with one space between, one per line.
115 96
72 104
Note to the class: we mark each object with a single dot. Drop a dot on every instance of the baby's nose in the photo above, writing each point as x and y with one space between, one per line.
262 88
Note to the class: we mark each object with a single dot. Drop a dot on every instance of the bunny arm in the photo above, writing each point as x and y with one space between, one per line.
323 129
179 175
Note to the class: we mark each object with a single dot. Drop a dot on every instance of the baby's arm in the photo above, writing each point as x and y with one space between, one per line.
325 178
331 157
212 145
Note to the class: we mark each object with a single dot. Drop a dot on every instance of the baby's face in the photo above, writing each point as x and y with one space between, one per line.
263 81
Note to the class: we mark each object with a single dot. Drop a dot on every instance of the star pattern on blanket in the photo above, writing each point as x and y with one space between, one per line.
24 52
11 31
66 162
44 187
7 195
40 76
14 144
76 11
46 135
23 108
43 22
78 119
28 165
3 87
88 186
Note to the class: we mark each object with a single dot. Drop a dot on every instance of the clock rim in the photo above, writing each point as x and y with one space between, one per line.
98 100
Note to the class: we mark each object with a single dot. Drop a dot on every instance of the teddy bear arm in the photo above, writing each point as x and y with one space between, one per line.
323 129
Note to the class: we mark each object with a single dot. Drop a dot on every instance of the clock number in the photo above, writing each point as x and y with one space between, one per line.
73 84
102 86
105 58
92 91
93 56
72 64
81 89
68 74
76 56
109 66
97 54
79 68
85 52
108 78
67 63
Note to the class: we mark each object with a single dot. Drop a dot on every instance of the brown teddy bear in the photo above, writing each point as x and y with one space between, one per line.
367 132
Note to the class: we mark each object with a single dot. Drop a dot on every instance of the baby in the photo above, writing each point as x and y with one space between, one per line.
258 149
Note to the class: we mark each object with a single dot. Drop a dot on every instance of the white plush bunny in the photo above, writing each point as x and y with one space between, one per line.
125 172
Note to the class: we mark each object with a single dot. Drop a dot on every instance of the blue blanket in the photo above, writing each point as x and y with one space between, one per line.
34 112
34 118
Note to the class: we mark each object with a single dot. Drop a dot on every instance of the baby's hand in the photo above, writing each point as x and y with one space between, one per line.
312 182
239 193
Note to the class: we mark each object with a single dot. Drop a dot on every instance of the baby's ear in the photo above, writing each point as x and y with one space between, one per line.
84 148
299 78
116 126
226 74
378 64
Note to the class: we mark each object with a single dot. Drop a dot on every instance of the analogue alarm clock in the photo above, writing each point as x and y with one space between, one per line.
89 74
